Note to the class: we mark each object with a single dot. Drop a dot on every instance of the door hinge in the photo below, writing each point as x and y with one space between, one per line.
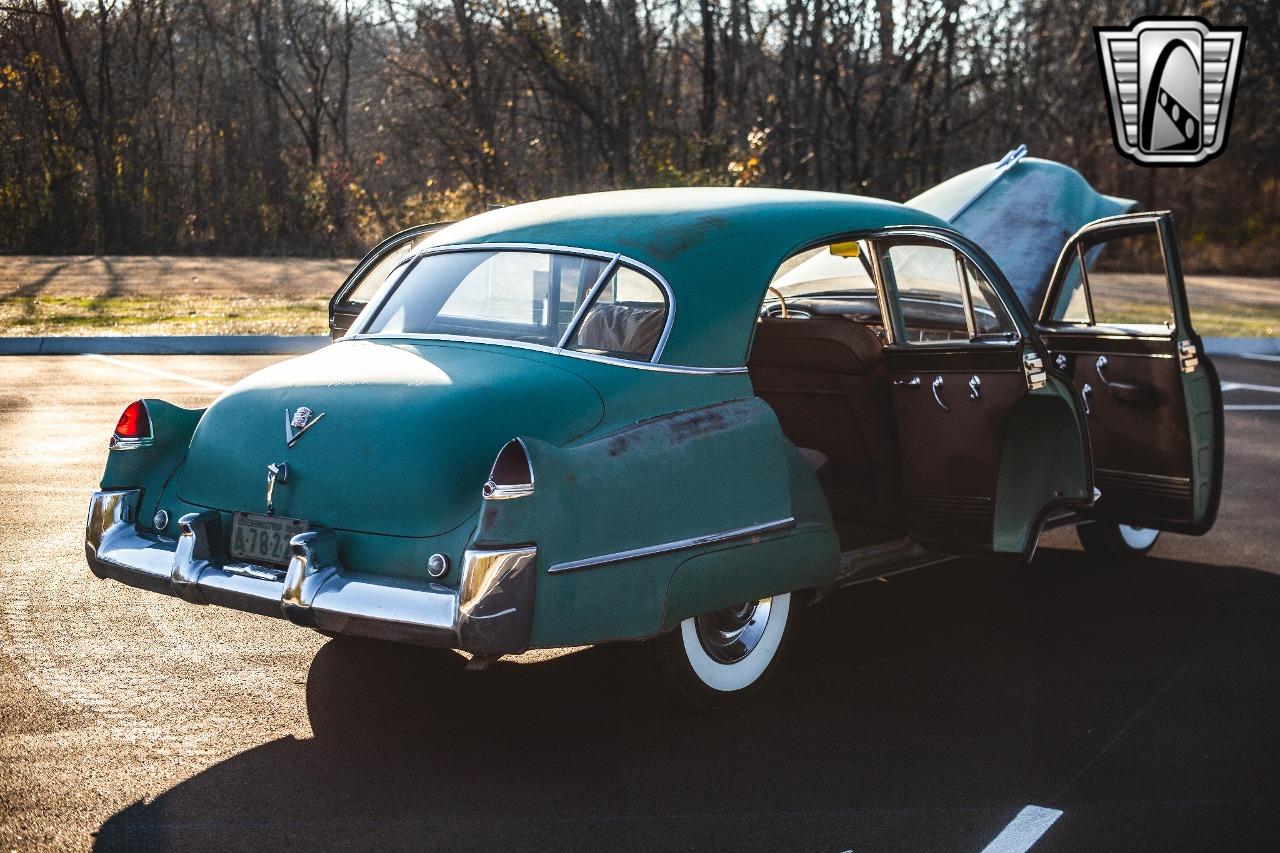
1188 356
1033 367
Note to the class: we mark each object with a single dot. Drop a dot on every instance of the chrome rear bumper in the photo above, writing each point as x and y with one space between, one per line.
491 613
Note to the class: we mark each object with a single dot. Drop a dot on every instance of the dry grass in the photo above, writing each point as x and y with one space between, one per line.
44 295
51 295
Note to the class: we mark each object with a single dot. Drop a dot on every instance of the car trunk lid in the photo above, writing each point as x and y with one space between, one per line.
400 438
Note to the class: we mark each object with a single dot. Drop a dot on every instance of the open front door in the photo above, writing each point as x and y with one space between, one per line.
991 442
364 281
1116 321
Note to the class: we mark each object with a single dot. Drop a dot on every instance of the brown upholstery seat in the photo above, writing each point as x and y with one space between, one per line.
824 379
617 327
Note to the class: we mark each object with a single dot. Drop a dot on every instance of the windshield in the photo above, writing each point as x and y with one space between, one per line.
526 296
823 271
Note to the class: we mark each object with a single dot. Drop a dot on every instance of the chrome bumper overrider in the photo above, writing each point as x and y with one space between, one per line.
491 613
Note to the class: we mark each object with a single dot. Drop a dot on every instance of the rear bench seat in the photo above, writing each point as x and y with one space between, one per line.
824 378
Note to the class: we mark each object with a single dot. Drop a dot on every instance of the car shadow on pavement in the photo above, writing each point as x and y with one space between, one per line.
919 713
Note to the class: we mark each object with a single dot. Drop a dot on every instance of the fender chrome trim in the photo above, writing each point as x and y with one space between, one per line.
753 530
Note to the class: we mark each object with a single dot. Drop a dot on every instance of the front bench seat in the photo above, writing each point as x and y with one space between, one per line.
825 380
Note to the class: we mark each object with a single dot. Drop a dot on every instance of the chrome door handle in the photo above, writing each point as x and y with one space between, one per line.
913 382
975 387
937 383
1061 361
1085 393
1101 365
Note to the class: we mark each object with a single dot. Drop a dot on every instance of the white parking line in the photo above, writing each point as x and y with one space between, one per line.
1245 386
1257 407
155 371
1259 357
1023 831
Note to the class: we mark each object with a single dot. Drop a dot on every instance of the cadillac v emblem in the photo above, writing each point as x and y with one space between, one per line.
298 423
1171 84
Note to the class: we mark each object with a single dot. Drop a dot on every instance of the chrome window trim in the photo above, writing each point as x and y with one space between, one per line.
568 353
587 300
613 261
678 545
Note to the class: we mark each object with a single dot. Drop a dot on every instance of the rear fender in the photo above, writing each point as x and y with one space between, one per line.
151 468
613 517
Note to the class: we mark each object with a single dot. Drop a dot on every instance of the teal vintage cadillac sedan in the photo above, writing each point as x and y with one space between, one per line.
677 416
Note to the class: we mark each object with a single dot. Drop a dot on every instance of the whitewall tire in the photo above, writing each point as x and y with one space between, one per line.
1110 541
719 658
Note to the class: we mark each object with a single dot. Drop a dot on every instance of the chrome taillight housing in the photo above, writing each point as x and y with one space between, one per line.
133 429
511 475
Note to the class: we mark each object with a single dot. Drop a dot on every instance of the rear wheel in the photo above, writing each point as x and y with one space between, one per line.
1108 540
719 658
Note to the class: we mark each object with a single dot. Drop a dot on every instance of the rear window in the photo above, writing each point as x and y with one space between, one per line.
525 296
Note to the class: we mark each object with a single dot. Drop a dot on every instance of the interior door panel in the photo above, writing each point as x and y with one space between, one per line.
1153 401
953 428
1136 411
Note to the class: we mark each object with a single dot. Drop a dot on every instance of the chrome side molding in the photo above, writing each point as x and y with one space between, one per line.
751 531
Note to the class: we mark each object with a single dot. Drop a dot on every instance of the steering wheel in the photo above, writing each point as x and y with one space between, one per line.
782 301
783 310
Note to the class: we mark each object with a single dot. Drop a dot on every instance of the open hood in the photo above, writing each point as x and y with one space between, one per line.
1021 210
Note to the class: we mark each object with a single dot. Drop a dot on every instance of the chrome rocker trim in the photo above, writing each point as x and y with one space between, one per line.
490 613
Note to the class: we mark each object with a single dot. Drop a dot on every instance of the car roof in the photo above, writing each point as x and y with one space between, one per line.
718 247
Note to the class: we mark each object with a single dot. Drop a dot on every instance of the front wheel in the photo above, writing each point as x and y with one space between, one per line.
722 657
1111 541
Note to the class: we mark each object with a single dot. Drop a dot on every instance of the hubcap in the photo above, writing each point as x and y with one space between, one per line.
1138 537
729 635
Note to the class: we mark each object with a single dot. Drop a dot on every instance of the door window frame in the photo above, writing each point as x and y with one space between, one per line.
962 250
1073 252
339 303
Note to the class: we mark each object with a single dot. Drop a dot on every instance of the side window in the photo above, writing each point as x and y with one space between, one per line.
1072 305
990 318
1124 284
937 288
1127 281
626 320
928 282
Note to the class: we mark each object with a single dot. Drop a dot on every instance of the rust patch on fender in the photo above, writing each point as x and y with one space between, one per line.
693 424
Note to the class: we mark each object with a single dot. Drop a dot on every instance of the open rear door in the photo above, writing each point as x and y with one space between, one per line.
1115 319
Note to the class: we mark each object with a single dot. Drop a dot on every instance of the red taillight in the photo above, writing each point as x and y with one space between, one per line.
134 422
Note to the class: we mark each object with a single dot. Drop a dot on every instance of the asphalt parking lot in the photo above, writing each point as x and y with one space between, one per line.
924 713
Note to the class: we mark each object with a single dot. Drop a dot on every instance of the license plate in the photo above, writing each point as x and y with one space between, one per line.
263 538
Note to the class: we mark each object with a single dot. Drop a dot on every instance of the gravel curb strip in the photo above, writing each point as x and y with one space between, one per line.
285 344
